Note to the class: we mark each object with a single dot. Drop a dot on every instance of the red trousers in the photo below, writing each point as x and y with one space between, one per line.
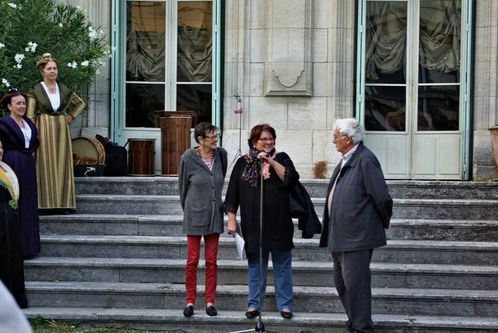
210 258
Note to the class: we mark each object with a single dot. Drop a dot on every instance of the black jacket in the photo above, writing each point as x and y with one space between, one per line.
302 208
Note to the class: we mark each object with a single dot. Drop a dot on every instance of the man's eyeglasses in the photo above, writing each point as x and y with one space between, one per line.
341 136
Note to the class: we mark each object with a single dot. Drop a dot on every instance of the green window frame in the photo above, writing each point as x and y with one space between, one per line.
118 67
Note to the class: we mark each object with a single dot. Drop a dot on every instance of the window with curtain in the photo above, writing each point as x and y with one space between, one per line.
168 59
194 64
438 76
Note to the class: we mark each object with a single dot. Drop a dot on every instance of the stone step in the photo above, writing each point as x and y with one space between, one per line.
174 247
450 302
171 225
112 224
156 185
403 208
444 230
443 189
317 188
171 319
318 274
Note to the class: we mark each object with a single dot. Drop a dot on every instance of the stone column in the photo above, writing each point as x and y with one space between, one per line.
335 76
95 120
485 108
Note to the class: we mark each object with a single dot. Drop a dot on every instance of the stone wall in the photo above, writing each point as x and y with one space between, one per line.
292 63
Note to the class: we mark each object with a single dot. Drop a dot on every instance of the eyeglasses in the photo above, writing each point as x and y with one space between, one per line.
213 137
11 90
266 139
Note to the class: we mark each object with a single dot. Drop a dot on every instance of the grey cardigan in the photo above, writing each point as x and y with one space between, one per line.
200 192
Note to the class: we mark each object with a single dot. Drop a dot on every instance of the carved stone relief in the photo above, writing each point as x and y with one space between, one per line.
288 68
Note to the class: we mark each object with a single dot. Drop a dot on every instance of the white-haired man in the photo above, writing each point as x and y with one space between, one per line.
357 211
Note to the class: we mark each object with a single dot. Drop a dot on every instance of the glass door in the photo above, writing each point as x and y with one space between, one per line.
169 60
410 90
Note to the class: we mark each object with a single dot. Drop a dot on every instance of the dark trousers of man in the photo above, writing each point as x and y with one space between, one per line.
353 283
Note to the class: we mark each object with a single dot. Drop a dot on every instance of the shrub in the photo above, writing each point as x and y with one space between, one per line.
30 28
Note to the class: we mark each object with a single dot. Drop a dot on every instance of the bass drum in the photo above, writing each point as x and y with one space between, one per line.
88 151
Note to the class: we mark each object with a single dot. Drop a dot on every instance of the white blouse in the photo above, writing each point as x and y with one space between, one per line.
26 131
55 98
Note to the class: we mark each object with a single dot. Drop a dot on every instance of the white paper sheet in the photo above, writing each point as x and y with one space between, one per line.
239 242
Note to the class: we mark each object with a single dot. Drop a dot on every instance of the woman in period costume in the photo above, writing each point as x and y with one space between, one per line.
244 191
53 106
11 258
202 173
20 140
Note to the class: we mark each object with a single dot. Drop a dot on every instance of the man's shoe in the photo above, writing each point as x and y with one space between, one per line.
286 314
188 311
250 314
211 311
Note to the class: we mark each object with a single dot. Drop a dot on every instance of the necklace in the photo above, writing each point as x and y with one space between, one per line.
208 160
51 87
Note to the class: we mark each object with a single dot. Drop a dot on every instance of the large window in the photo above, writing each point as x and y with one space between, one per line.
394 42
169 59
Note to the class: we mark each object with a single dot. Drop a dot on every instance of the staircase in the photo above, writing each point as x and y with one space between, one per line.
119 262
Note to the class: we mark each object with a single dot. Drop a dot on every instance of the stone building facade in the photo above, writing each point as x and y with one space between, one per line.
300 64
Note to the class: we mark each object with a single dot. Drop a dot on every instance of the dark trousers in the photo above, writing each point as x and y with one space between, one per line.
353 283
11 259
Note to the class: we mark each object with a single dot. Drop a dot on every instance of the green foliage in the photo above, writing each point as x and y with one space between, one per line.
30 28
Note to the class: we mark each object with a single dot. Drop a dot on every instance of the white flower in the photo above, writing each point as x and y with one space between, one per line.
19 57
6 83
31 47
85 63
72 64
92 33
2 45
13 5
60 25
18 66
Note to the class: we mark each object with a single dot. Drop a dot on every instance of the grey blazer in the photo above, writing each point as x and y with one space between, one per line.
200 192
361 205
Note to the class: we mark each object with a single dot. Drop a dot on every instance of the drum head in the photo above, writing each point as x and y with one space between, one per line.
88 151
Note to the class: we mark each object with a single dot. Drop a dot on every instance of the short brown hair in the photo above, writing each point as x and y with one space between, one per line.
202 130
256 133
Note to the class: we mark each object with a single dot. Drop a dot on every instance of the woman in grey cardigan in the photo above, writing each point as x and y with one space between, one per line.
202 173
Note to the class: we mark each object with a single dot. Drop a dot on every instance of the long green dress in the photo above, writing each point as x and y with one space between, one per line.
54 158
